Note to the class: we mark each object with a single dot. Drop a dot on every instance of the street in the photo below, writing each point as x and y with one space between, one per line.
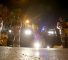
21 53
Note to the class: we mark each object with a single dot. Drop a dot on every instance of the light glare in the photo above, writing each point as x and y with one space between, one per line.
48 47
37 54
50 32
28 32
36 45
10 31
27 21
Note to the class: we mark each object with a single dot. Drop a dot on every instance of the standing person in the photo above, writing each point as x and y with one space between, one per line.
61 27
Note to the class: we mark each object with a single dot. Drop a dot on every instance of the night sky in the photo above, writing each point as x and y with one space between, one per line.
44 12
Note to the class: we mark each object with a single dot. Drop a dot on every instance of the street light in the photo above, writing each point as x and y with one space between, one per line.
27 21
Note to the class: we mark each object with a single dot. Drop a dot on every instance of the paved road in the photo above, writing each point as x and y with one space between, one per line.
14 53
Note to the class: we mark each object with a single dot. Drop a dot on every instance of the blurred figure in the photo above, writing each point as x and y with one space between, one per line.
61 26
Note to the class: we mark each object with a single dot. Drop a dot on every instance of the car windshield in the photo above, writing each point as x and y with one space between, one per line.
25 23
33 28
